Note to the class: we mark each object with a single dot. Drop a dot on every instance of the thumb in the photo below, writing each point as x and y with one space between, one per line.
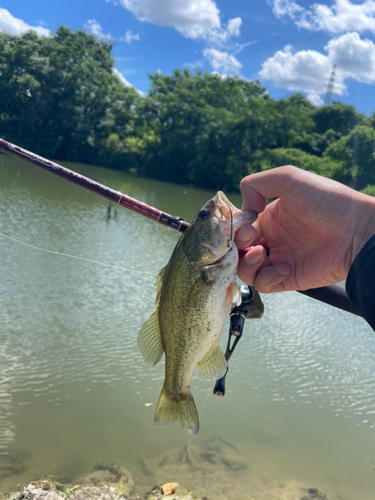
256 189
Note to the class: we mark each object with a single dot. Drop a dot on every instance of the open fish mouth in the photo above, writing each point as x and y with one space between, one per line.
224 207
214 231
225 210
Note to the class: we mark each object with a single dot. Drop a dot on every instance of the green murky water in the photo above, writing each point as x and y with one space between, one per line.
300 402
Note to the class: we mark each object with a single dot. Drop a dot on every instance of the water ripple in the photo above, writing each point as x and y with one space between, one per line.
68 349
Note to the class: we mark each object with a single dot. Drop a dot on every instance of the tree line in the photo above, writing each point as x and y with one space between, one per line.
60 98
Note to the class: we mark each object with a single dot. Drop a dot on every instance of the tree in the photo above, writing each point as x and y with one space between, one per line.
188 113
356 151
339 117
59 96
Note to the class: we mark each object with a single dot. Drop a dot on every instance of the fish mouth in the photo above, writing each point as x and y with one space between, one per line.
224 207
227 211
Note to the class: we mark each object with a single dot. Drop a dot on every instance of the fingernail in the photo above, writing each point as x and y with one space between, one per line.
245 233
253 258
283 269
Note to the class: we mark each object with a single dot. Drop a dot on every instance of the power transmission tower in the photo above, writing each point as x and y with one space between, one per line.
327 100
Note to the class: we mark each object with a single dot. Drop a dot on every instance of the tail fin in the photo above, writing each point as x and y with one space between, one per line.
177 408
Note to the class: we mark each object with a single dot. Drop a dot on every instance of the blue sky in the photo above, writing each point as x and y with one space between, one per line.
289 45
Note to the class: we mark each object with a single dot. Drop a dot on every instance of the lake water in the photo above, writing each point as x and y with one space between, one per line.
299 411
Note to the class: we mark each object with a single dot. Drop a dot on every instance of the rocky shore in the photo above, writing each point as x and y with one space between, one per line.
216 471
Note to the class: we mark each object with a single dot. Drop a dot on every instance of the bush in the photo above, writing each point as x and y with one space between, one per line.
291 156
356 151
369 190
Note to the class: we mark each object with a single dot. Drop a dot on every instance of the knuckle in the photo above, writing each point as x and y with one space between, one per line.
244 182
289 170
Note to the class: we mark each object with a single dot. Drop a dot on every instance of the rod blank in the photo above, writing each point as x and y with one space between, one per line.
104 191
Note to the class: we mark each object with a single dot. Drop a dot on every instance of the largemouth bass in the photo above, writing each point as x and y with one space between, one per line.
195 294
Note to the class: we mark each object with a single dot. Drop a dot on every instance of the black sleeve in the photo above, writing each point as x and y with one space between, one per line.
360 284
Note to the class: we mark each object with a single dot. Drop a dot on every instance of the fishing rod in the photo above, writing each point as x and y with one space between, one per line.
69 175
333 295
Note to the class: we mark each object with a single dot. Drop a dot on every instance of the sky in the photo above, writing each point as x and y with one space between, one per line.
291 46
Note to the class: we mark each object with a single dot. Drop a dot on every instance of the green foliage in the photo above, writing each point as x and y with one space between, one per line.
356 151
339 117
369 190
211 129
60 98
196 121
292 156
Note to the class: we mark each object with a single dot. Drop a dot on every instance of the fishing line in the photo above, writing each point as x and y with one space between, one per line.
192 437
75 257
231 227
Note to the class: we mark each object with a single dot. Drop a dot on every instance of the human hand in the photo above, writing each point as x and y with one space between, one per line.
312 232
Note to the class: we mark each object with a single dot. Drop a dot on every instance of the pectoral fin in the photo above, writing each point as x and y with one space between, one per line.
213 366
237 298
233 297
149 340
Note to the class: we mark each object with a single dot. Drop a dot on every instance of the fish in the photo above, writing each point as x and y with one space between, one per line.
196 291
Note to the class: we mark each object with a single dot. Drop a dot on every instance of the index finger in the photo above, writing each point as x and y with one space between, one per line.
257 188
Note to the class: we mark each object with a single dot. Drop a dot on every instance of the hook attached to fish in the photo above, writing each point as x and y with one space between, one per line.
231 227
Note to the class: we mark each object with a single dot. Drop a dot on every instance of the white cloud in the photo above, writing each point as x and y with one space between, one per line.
194 65
309 70
129 37
125 82
221 36
94 27
222 62
192 18
305 70
14 26
354 57
196 19
234 26
121 77
315 99
286 8
342 16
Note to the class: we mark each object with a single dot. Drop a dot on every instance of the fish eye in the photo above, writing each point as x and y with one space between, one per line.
203 214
